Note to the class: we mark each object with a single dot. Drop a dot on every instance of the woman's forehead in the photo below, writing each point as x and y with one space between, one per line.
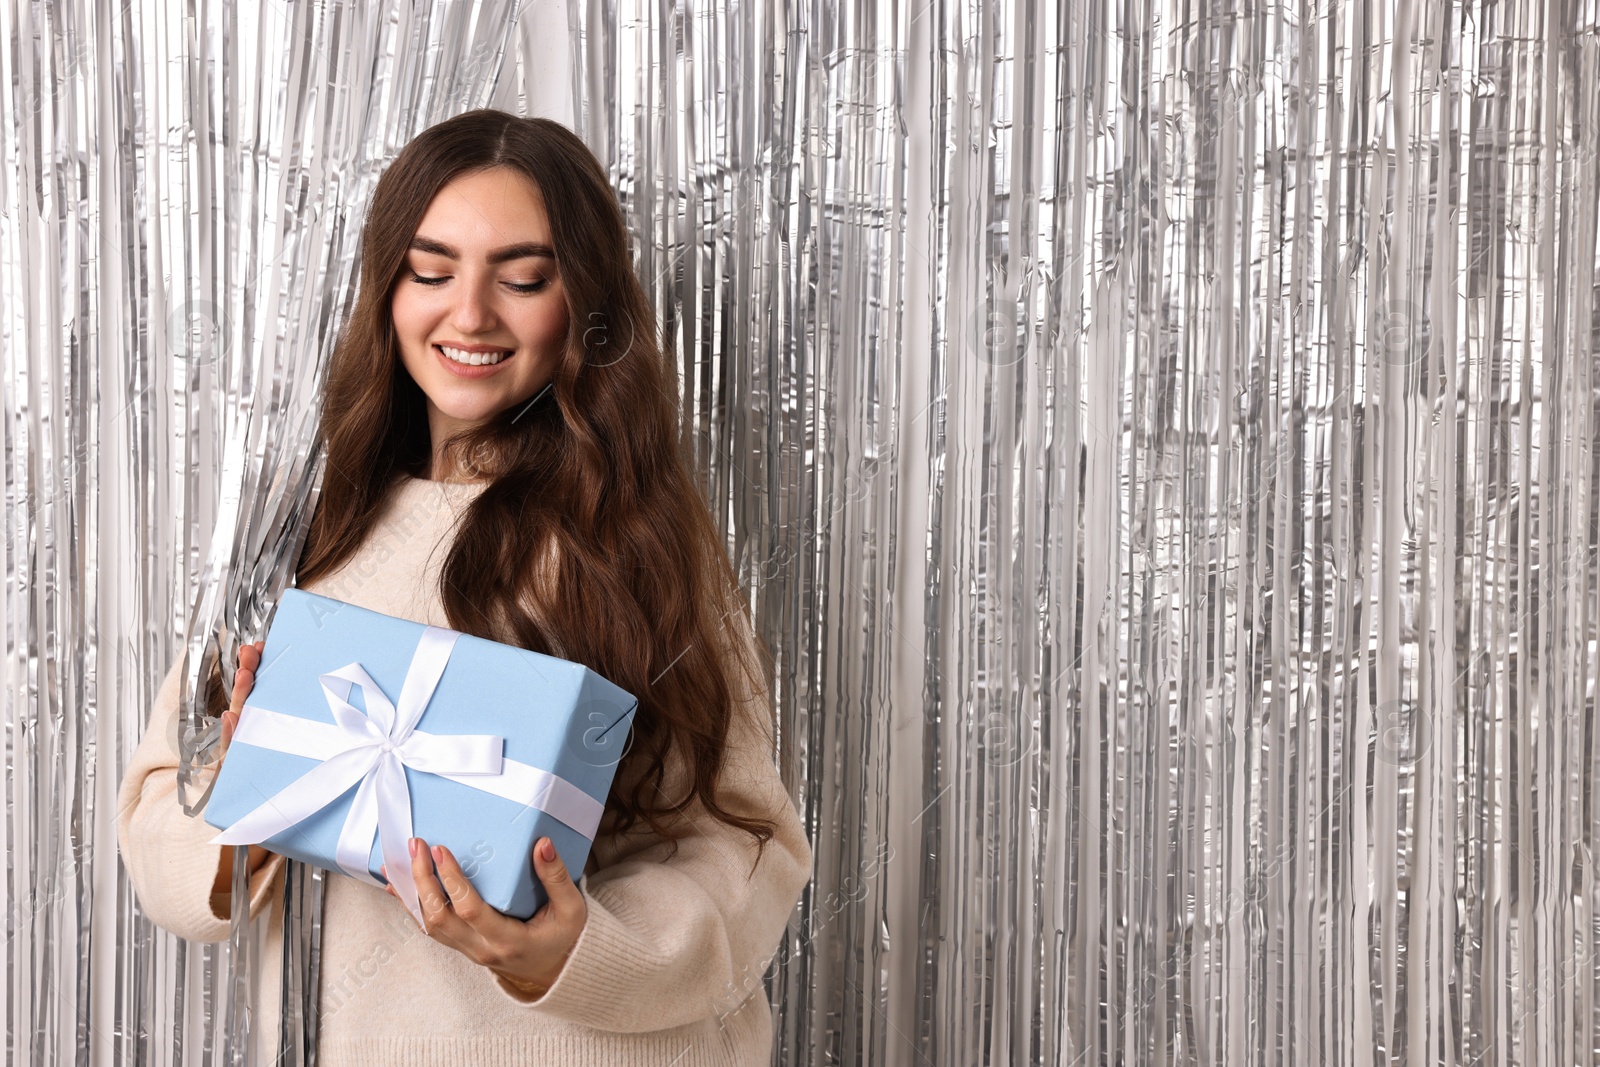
483 211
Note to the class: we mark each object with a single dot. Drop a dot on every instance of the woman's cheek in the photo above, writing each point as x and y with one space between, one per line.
555 327
401 315
413 315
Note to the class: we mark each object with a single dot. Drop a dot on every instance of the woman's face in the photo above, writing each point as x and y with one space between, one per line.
480 286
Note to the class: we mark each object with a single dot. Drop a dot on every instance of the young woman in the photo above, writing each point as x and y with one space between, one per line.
503 458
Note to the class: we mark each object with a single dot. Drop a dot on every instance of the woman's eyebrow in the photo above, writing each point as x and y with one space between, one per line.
524 250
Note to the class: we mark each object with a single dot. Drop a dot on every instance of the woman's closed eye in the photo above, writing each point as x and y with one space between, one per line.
516 287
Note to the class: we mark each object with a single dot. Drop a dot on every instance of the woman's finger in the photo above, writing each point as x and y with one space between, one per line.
438 920
469 907
566 900
244 679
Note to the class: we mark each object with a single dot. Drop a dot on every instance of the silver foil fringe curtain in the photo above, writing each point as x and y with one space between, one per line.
1159 442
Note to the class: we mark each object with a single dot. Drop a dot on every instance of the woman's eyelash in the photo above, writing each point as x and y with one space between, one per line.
531 287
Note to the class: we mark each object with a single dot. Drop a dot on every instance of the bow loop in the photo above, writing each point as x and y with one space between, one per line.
379 719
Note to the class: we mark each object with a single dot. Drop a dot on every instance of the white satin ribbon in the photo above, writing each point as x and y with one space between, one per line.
374 749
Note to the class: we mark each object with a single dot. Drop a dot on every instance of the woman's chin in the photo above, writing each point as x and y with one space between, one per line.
458 414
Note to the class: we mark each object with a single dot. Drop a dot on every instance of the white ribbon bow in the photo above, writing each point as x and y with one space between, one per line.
374 749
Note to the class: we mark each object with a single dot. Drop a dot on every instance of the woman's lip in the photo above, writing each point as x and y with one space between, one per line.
462 347
462 370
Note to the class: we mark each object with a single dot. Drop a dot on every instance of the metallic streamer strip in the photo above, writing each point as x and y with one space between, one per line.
178 228
1160 442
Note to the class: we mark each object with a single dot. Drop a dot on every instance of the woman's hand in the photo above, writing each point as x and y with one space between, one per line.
243 681
528 955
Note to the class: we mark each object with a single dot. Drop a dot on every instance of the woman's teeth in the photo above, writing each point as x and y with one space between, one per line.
473 359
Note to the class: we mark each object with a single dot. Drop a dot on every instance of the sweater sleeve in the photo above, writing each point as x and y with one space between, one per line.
672 938
169 862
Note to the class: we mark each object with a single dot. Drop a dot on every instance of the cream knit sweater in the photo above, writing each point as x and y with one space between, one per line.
670 963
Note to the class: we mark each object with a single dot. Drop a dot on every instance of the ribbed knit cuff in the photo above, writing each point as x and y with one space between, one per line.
594 986
260 887
191 872
177 865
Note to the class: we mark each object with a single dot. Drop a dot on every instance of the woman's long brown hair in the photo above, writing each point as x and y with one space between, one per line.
592 475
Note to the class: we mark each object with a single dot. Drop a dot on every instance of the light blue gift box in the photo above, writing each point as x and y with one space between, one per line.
554 715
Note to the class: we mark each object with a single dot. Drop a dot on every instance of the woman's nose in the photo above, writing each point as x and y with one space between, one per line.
473 311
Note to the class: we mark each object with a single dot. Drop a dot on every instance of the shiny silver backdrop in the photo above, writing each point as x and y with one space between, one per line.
1159 441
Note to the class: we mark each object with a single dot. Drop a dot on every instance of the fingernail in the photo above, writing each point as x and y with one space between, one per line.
383 869
547 850
438 853
414 843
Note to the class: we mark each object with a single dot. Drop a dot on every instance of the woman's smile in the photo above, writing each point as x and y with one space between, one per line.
473 361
